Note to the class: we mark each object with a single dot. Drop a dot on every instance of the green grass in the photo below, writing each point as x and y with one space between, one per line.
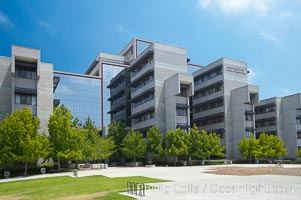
93 187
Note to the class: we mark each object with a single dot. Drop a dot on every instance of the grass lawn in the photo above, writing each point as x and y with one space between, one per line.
92 187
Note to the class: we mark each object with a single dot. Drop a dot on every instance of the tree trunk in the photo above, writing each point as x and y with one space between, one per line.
26 166
250 159
59 164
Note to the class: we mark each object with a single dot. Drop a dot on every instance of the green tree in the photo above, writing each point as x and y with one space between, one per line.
117 133
104 148
65 139
248 147
298 153
92 140
176 143
154 143
133 145
19 139
215 147
96 147
198 143
270 146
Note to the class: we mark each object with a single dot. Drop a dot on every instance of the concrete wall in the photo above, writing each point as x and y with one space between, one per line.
172 89
5 86
45 95
240 102
168 61
288 113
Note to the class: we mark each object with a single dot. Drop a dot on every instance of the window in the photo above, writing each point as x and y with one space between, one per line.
209 75
26 99
299 135
144 99
265 109
21 73
143 117
248 117
266 122
208 91
209 105
181 112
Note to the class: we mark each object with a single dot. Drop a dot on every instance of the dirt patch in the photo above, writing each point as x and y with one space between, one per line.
248 171
86 196
12 197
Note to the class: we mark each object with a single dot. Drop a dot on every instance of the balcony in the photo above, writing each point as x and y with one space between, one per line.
120 87
143 88
207 83
148 67
144 124
216 126
210 112
208 97
143 106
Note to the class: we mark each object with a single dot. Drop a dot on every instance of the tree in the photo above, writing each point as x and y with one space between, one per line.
176 143
270 146
65 139
298 153
117 133
215 147
19 138
198 143
91 141
95 146
248 147
154 143
133 145
104 148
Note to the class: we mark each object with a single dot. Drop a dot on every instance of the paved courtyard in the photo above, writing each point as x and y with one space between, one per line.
194 183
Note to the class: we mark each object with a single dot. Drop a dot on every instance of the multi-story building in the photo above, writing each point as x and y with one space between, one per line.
159 88
281 116
150 84
223 102
120 97
25 81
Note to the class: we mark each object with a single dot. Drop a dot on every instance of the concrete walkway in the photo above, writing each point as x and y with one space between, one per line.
194 183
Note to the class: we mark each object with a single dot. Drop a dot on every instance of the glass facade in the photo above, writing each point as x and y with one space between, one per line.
81 95
109 72
141 46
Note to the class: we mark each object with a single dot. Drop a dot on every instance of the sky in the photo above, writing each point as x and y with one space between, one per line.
264 33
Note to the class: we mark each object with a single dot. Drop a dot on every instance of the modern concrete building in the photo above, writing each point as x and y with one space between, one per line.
25 81
281 116
159 88
151 84
223 102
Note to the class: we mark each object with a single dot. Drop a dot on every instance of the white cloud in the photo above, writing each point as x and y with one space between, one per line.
48 27
204 3
52 28
259 7
5 21
122 29
285 15
270 37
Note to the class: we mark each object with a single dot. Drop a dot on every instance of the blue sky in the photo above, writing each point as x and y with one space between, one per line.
264 33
